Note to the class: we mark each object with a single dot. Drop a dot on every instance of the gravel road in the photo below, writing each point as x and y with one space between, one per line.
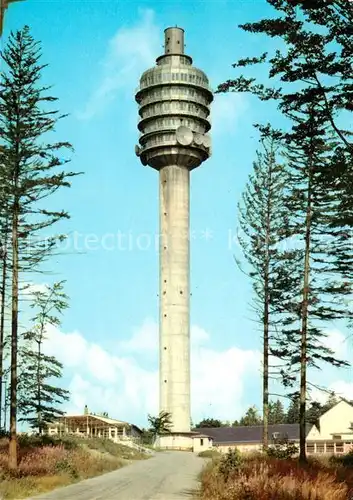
165 476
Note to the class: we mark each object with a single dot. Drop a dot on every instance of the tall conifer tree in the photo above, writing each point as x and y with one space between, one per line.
39 400
263 222
319 176
31 173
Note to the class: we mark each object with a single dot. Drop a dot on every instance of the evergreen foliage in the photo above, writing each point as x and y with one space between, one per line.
263 220
209 422
310 80
276 413
31 171
39 399
161 424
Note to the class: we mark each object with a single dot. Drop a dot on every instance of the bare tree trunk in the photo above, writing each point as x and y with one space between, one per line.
265 392
2 327
266 317
304 332
39 401
14 334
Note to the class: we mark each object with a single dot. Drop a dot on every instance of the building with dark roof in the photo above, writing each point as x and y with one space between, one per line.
333 434
248 438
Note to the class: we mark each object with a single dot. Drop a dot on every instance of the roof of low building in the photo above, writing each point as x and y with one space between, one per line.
249 434
106 420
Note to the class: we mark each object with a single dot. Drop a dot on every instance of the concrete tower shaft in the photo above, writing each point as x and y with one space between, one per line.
175 295
174 105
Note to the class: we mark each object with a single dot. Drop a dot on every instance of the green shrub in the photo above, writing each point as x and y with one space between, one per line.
66 467
209 454
283 450
230 463
39 441
344 460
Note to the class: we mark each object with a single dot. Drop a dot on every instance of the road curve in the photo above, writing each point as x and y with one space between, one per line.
166 476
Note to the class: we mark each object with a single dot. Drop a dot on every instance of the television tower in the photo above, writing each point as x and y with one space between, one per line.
174 105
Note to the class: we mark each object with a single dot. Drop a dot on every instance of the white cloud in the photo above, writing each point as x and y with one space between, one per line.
227 111
337 342
340 388
28 289
117 383
131 51
124 382
144 339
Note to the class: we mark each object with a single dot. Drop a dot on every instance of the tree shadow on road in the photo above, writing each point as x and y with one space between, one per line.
189 493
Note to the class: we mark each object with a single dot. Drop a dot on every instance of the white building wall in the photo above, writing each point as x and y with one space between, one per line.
175 441
337 421
202 444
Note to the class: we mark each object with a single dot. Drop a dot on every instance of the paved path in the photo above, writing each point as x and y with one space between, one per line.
166 476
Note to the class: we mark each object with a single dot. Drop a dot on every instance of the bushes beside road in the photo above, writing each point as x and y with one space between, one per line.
46 463
257 477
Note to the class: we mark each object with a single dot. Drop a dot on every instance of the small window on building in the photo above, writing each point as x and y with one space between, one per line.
336 436
201 442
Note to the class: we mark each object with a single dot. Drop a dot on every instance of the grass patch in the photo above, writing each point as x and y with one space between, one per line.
115 449
236 477
46 463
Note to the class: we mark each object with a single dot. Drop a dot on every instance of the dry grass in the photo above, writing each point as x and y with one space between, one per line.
45 467
259 478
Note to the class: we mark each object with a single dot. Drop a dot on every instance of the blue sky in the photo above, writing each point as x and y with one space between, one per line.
96 51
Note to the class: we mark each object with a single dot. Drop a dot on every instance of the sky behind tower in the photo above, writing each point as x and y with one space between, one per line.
96 51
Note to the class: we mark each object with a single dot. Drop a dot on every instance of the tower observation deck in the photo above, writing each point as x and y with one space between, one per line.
174 107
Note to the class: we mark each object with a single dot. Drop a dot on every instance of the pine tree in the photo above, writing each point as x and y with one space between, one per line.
4 267
314 413
209 422
307 58
39 400
314 65
31 173
325 176
276 413
251 417
263 221
313 206
293 411
331 401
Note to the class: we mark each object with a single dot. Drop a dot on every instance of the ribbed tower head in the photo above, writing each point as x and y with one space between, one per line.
174 105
